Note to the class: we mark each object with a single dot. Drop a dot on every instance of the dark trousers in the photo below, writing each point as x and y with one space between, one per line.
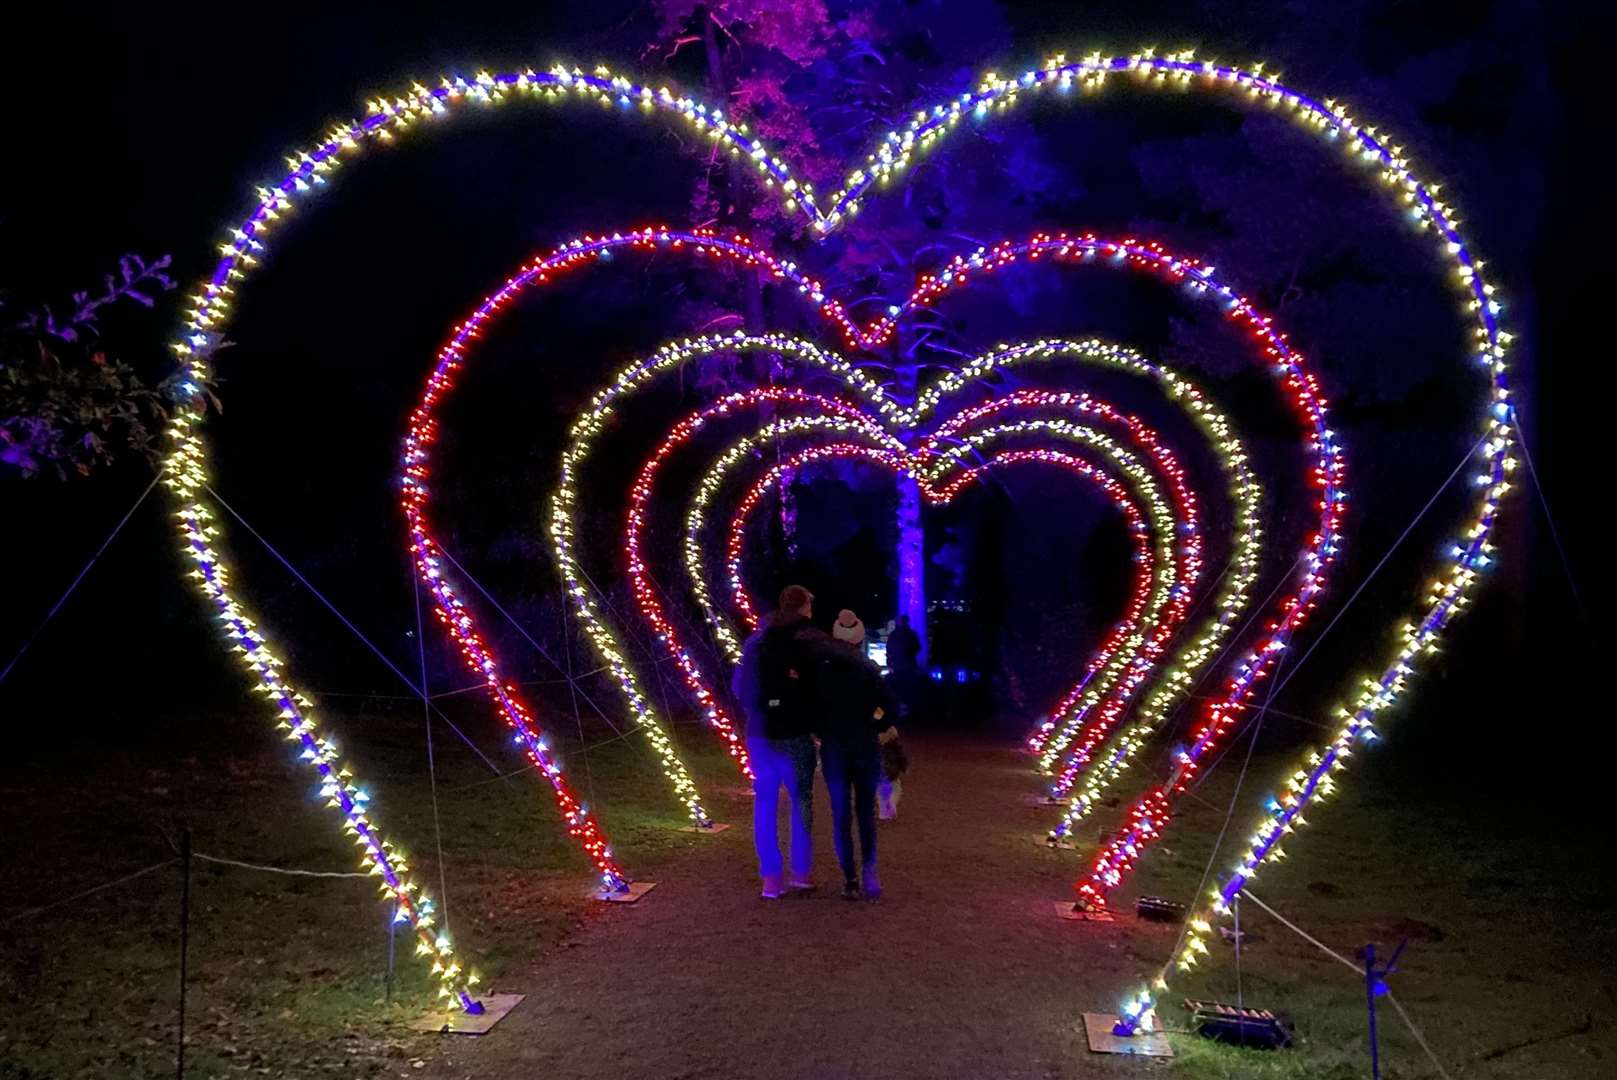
851 775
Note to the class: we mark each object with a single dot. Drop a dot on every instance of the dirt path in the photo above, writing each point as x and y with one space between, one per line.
962 970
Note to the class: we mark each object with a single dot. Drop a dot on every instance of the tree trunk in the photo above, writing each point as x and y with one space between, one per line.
911 535
735 211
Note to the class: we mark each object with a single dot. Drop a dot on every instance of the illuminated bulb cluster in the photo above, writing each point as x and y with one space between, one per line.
210 311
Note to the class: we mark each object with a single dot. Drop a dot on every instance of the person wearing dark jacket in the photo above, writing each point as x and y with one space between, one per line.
904 660
854 705
772 686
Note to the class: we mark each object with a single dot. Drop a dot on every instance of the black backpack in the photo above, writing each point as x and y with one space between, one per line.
785 683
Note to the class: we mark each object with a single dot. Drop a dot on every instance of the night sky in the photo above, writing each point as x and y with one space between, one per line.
134 130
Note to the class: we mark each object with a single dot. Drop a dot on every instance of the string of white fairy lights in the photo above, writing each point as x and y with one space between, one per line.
210 315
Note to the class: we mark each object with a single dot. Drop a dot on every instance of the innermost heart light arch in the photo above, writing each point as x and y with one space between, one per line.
210 314
1177 538
941 494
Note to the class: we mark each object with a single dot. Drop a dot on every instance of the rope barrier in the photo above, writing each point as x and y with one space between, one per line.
278 869
20 916
87 892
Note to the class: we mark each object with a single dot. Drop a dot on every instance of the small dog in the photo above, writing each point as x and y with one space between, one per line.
894 763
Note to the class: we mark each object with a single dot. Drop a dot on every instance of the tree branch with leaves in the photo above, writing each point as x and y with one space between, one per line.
66 404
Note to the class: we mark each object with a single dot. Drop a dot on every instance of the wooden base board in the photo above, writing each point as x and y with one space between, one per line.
460 1022
1098 1029
636 890
712 830
1065 911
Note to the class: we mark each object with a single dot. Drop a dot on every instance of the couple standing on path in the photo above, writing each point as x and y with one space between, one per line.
795 683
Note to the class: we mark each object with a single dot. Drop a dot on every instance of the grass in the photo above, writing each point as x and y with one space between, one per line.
287 974
1510 938
1506 907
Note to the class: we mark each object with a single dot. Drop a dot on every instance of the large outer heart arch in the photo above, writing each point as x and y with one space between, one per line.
199 512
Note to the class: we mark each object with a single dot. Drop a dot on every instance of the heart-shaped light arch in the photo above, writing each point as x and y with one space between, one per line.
1170 522
210 315
1244 493
836 417
937 494
711 481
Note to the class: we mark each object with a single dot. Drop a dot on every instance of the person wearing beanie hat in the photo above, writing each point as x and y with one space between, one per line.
849 629
854 704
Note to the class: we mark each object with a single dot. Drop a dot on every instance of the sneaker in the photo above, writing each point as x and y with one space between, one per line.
772 887
872 884
850 890
799 884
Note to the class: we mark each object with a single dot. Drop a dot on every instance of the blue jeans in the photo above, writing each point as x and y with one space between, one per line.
851 774
778 763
